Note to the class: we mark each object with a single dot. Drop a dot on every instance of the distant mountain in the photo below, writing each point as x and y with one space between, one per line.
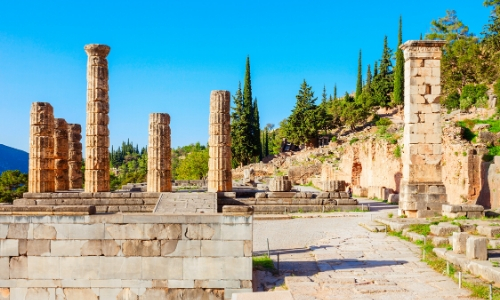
13 159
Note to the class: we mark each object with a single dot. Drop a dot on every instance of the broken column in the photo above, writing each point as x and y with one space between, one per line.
159 154
41 157
75 156
280 184
219 143
97 133
422 189
61 155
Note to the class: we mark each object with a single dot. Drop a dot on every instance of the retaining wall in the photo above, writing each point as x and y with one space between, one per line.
119 256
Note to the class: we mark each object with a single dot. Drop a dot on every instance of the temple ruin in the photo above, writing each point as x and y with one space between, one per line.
61 146
159 154
97 133
75 156
422 190
219 143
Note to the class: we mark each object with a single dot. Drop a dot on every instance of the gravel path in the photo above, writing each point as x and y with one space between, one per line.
335 258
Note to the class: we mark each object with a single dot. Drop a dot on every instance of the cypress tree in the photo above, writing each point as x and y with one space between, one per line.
420 36
237 130
383 82
323 96
375 69
359 84
399 78
266 142
256 130
368 79
335 92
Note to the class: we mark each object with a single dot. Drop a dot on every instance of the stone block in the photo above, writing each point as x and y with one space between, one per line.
280 184
280 195
474 215
198 231
222 248
66 247
38 248
84 267
323 195
236 232
451 208
121 267
163 231
125 231
237 268
476 248
444 229
260 195
247 248
393 198
454 215
18 231
141 248
347 202
217 284
9 247
18 267
173 268
472 208
4 267
180 284
204 268
4 294
79 294
38 293
43 267
488 231
180 248
4 228
460 242
85 232
46 232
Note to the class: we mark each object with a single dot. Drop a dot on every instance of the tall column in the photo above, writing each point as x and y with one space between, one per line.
219 143
41 157
422 188
61 155
159 154
97 133
75 156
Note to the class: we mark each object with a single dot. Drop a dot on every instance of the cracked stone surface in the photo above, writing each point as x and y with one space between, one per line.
334 258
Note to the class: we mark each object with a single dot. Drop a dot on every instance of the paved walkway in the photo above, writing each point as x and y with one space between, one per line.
335 258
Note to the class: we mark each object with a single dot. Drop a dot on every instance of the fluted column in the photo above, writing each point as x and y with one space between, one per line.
97 133
219 143
41 157
61 155
75 156
159 154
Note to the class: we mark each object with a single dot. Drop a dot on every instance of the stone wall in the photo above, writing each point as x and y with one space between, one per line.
125 256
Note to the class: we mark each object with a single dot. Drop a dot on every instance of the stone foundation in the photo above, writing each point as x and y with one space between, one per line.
125 256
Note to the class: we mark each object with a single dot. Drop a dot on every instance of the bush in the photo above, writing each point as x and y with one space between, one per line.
13 184
397 152
452 101
354 140
334 139
496 89
383 122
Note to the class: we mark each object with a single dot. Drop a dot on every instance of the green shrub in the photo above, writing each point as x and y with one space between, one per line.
334 139
383 122
452 101
354 140
263 263
397 152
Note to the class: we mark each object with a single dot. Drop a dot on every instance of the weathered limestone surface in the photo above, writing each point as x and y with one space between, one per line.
460 242
41 157
186 203
476 248
75 156
219 143
97 133
334 185
280 184
202 256
61 145
422 188
159 156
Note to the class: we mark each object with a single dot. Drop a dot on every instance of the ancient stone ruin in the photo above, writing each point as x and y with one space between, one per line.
61 146
41 157
159 166
97 133
75 156
422 189
280 184
219 143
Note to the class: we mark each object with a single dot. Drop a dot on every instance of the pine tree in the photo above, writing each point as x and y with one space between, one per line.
368 78
335 92
399 77
375 69
359 84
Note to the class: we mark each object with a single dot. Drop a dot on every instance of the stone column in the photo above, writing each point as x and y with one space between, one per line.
41 157
159 154
97 133
75 156
422 188
61 155
219 143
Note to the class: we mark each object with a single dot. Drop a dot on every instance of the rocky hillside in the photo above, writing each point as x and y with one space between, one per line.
13 159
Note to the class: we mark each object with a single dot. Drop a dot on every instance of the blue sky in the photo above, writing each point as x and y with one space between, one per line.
166 56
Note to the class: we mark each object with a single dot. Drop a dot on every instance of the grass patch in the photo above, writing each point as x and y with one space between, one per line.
354 140
423 229
263 263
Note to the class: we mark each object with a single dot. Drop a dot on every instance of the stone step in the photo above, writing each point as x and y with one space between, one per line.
47 210
372 226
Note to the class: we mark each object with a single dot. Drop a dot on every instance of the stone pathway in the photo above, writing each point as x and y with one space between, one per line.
334 258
